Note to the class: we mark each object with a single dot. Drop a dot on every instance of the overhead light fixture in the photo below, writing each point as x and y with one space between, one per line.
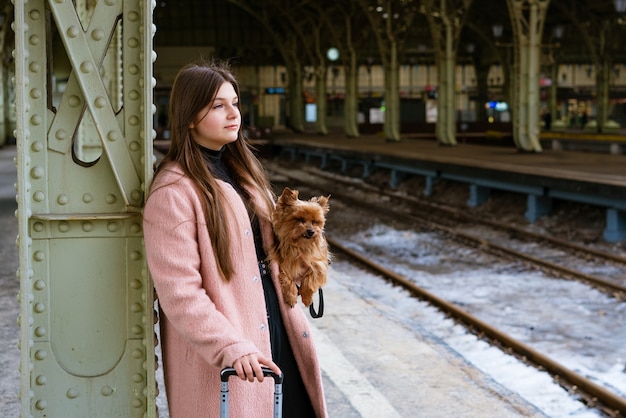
620 6
332 54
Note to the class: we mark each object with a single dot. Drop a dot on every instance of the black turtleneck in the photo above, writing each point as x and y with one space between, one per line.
221 172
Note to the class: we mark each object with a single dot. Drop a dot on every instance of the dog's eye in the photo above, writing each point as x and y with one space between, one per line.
315 223
301 220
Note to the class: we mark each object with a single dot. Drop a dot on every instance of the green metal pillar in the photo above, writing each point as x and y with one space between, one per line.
3 89
447 109
527 17
445 22
86 300
4 67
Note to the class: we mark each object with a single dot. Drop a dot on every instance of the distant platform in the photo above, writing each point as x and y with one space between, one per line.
593 178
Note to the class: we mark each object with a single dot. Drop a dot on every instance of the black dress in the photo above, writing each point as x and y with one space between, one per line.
296 401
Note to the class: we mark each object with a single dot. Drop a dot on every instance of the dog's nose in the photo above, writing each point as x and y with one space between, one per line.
310 233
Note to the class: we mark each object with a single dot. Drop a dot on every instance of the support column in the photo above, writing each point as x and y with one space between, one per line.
445 26
86 301
4 87
537 206
478 195
528 17
449 111
615 230
429 185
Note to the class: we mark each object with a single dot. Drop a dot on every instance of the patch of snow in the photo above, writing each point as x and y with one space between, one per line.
578 326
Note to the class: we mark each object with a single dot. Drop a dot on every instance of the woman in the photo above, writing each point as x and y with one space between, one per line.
207 233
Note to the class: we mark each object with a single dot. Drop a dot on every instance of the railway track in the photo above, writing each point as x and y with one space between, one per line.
593 394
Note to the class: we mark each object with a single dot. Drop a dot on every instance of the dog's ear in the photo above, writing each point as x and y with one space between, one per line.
288 196
323 202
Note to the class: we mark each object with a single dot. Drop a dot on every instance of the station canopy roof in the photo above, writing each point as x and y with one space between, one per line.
253 32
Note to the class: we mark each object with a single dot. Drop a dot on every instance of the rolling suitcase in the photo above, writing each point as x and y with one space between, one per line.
278 391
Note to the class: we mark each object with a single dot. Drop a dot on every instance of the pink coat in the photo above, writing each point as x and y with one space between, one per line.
207 323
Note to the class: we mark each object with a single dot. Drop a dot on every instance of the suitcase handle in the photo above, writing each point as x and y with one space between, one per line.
227 372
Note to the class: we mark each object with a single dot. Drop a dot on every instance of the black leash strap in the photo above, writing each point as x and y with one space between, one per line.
320 310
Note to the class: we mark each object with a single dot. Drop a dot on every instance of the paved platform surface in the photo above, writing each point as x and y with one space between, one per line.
373 365
606 169
376 366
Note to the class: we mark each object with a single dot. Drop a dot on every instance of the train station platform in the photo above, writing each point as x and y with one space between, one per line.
373 364
379 358
597 179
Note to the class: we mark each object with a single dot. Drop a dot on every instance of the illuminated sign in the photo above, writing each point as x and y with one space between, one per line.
275 90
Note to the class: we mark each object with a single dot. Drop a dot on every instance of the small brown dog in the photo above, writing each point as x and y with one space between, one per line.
300 249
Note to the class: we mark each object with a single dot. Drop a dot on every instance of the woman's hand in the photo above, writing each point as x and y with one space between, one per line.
248 367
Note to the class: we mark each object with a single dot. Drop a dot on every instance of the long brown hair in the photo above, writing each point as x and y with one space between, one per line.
195 87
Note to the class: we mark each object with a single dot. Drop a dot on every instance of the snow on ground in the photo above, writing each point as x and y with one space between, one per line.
579 327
